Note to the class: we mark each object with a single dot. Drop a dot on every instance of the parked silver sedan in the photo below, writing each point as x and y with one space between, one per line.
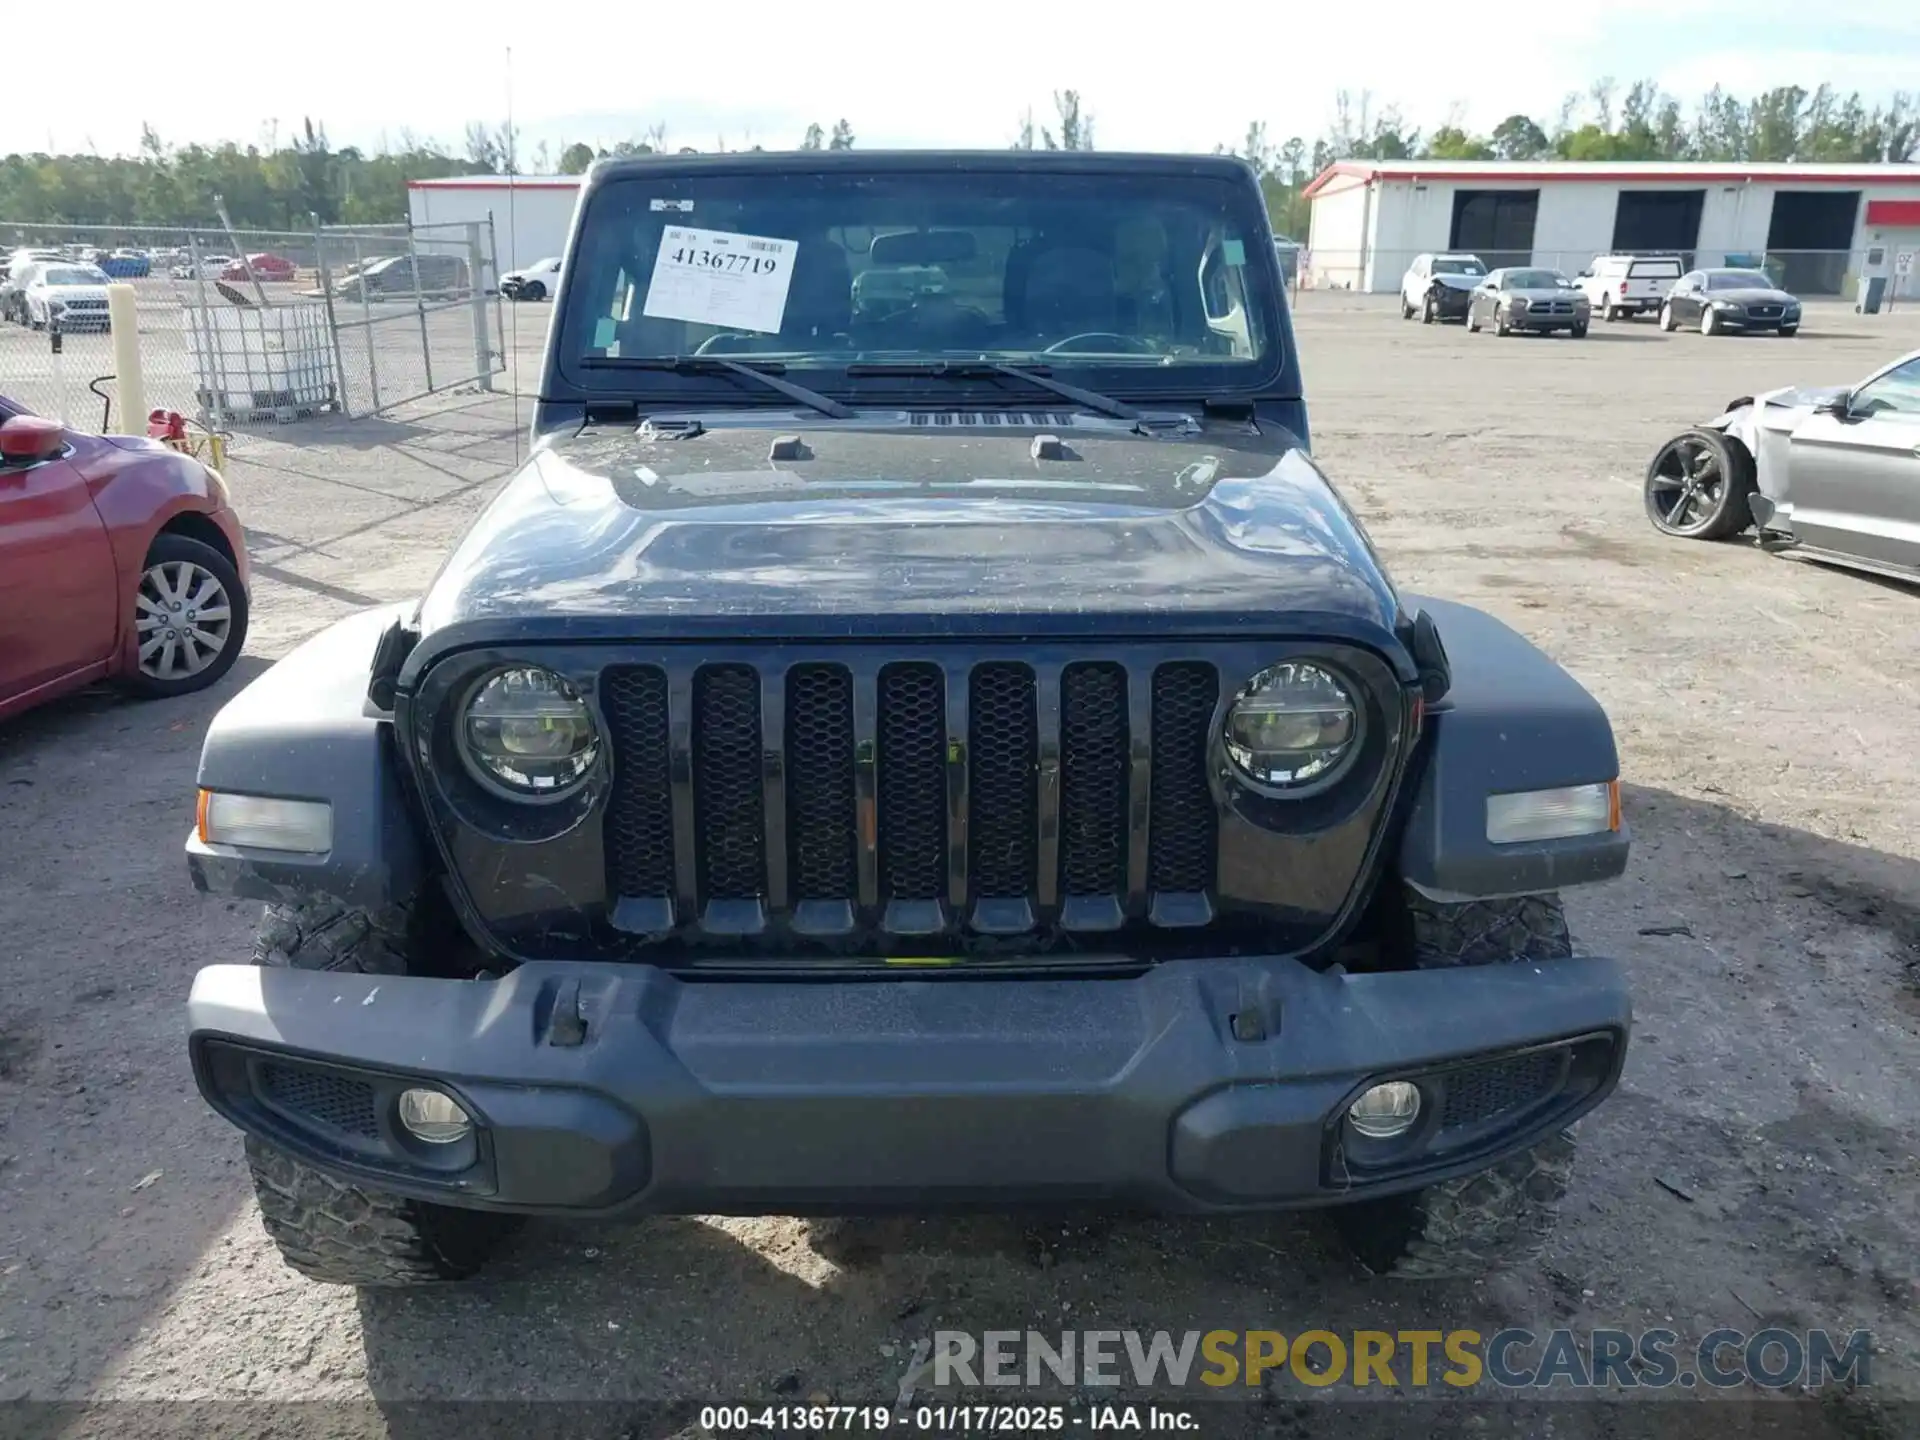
1529 299
1826 473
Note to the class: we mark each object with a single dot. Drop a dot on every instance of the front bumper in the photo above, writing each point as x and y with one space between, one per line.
1450 303
602 1089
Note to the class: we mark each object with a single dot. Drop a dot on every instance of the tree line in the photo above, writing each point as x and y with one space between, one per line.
284 183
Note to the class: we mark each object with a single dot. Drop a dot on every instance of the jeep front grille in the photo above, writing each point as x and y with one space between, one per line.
909 796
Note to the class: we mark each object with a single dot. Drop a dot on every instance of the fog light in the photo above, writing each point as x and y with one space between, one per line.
433 1117
1386 1110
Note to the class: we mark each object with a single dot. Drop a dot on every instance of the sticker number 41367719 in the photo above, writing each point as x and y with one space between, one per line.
715 277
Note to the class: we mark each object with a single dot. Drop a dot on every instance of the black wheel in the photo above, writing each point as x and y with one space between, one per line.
533 291
1789 330
327 1229
1697 486
1579 332
1427 311
1478 1223
189 618
1406 310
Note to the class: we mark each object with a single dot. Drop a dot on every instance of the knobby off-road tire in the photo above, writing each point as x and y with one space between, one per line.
327 1229
1478 1223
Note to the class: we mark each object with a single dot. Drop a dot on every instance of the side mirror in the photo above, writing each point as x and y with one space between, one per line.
27 439
1839 406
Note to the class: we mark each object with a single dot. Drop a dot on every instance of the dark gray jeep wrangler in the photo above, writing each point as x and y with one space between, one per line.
919 731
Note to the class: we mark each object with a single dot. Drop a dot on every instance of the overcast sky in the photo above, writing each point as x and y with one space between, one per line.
1154 76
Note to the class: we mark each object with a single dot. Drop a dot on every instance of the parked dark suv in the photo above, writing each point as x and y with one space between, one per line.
952 753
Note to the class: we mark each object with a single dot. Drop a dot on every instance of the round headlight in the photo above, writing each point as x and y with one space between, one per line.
526 731
1294 725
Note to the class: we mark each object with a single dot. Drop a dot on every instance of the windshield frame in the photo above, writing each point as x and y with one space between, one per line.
87 275
1273 375
1739 280
1554 280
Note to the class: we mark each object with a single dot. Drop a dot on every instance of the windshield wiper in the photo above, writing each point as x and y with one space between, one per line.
766 373
989 370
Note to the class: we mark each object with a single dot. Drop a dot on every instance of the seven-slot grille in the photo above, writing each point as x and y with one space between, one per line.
909 795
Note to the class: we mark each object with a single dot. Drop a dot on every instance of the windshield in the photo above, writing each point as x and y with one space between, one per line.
72 275
1738 280
1445 266
1119 272
1537 280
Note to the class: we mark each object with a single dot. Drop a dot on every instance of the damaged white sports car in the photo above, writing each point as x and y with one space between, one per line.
1828 473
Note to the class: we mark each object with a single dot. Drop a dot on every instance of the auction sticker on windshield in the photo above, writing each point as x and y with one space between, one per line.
713 277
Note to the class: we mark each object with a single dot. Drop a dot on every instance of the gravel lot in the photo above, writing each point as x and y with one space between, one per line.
1765 711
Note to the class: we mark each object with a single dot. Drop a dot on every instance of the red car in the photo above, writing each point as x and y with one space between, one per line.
265 267
120 557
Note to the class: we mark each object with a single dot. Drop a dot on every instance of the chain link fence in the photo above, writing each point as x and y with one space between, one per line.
1811 274
249 328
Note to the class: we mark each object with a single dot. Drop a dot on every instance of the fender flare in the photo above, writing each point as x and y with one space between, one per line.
305 730
1512 720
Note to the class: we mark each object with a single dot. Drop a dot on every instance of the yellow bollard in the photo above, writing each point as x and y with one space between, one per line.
124 315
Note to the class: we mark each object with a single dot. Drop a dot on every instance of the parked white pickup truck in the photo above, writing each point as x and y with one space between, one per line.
1619 285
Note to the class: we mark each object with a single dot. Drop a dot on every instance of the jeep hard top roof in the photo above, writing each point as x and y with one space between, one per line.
790 161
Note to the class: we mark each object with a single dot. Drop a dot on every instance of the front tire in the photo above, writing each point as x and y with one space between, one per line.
1473 1224
327 1229
1698 485
1427 311
189 618
1789 330
533 291
1709 322
1579 332
1666 318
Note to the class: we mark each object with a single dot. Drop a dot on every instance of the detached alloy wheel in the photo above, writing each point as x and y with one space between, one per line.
1697 487
189 618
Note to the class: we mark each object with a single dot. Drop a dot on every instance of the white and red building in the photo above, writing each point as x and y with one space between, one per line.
1817 225
530 213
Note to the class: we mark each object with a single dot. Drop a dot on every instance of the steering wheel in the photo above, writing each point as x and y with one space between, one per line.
718 342
1129 344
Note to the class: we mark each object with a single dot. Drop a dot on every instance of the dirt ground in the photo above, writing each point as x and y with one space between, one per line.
1757 1166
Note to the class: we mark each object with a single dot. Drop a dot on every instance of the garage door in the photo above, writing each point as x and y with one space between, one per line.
1808 239
1496 225
1659 222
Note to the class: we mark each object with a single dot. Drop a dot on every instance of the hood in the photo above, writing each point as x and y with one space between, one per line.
1543 293
73 292
1755 296
885 528
1460 282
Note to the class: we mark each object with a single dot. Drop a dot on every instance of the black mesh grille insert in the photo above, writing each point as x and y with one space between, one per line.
726 782
321 1096
1180 843
913 788
1004 738
1093 780
639 823
1480 1092
820 814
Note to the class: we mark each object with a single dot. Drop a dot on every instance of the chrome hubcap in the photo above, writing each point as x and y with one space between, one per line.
184 619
